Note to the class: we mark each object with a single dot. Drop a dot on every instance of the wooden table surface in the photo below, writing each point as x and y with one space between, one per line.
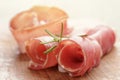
13 66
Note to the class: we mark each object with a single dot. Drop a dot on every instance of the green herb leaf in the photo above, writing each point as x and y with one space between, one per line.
46 42
50 49
61 34
55 39
52 35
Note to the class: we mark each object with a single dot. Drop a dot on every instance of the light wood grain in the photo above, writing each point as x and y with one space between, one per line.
13 66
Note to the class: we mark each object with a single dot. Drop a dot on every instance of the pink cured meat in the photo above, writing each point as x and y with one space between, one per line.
75 55
85 52
80 56
32 23
105 37
35 51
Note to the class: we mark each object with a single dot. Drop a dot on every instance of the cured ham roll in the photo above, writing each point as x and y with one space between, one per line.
84 52
35 50
32 23
79 56
105 37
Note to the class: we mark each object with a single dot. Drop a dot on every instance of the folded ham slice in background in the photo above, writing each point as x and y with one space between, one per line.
32 23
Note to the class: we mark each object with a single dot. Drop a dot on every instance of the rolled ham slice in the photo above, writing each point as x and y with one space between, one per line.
32 23
84 52
79 56
35 50
75 55
104 35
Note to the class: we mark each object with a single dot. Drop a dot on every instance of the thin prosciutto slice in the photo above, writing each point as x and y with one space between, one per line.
79 56
35 50
32 23
83 53
104 35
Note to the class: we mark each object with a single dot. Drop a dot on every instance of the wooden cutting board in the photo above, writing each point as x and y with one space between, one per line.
13 66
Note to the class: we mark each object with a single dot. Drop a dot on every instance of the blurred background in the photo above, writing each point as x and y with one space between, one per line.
106 11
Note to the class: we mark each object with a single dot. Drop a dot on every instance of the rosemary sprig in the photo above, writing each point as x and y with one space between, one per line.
61 34
55 39
50 49
47 42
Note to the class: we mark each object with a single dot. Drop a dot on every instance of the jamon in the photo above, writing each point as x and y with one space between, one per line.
75 55
35 50
80 56
32 23
104 35
84 52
